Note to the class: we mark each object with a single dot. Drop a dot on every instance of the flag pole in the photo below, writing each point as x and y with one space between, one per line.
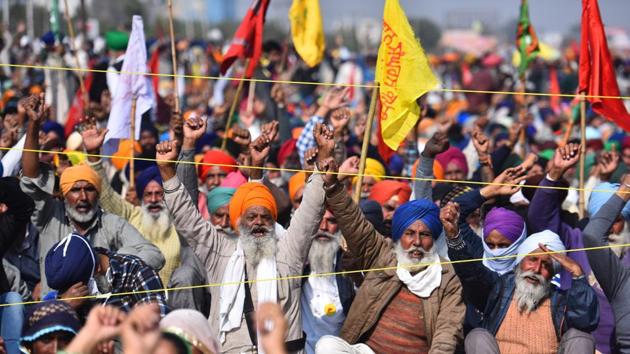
366 142
235 101
132 136
75 55
173 54
582 201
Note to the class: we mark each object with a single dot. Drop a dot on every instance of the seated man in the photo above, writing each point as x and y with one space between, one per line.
79 211
326 299
415 308
73 263
522 311
257 253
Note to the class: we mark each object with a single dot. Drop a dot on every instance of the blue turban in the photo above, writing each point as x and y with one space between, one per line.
421 209
68 262
599 198
218 197
147 175
50 126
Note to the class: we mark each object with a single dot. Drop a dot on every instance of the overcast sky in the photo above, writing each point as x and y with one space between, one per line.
547 15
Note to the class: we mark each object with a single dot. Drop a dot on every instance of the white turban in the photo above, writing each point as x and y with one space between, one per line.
547 238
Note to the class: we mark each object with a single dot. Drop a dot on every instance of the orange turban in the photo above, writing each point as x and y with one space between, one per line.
385 190
296 182
73 174
248 195
216 156
438 171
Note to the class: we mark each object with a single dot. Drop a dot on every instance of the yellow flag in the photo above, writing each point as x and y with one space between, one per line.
307 30
403 75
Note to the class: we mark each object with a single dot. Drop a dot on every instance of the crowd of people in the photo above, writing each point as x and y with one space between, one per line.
467 239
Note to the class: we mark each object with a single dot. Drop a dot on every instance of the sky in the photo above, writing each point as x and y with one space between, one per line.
547 15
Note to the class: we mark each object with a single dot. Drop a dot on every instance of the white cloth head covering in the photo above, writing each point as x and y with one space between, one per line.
194 327
547 238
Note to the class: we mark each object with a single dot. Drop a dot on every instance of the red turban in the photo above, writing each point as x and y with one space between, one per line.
385 190
453 155
286 150
218 157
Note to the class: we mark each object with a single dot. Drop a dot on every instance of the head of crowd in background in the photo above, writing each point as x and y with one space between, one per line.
374 173
253 214
215 166
390 194
80 187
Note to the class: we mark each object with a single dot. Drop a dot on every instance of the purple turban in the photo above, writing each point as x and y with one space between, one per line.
507 222
142 180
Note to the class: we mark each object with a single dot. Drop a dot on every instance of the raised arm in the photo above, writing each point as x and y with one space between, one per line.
37 112
544 208
607 267
424 172
201 235
194 127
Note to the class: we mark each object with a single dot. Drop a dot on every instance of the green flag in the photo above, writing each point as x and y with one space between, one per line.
526 39
54 19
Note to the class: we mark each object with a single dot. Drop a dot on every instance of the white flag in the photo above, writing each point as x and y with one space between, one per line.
130 83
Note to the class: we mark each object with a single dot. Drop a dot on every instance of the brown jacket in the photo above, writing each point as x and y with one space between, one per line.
444 310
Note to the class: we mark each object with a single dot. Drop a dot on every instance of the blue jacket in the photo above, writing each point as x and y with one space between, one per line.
576 307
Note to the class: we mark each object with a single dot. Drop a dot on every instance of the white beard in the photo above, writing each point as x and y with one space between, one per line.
155 223
322 254
257 248
621 238
404 259
527 295
80 218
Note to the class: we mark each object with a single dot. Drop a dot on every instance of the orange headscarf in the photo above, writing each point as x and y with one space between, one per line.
248 195
296 182
216 156
438 170
385 190
73 174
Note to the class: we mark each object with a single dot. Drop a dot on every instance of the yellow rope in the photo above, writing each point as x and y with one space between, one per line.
336 173
541 94
303 276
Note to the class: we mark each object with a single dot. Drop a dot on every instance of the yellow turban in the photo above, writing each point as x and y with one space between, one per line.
248 195
73 174
373 168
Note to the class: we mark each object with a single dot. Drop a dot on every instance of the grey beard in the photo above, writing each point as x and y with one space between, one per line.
621 238
403 258
155 223
78 217
322 254
257 248
529 296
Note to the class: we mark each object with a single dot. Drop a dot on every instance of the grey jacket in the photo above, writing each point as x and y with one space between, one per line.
214 249
613 276
108 230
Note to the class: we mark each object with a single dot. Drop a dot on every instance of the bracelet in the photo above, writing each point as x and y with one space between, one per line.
456 243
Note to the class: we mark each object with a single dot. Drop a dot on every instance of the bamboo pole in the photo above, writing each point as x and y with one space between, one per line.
235 101
366 142
173 54
132 136
76 56
582 201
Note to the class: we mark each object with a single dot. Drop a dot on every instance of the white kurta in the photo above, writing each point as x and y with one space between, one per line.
318 293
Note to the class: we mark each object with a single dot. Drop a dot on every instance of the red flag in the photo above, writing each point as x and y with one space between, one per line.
154 67
75 113
247 42
597 75
554 89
